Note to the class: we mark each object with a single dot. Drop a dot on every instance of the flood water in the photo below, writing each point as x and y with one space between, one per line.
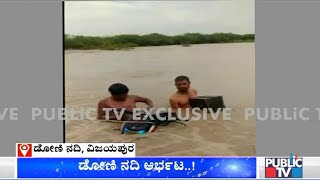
226 70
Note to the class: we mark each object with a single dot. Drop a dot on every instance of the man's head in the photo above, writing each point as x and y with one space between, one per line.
119 91
182 83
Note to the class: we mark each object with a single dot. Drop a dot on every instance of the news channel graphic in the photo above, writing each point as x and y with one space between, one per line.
284 167
61 150
292 166
108 160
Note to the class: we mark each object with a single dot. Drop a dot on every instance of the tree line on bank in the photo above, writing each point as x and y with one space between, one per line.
127 41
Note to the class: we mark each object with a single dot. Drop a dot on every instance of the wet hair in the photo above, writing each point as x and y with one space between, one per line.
182 78
118 89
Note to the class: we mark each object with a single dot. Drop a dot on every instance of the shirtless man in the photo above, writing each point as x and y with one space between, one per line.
120 99
180 99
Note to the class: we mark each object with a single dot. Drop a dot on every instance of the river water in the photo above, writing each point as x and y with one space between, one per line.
214 69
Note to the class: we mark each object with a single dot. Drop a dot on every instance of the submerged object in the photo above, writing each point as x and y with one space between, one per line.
137 127
208 102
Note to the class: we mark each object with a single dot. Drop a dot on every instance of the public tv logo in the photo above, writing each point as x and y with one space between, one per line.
284 167
24 150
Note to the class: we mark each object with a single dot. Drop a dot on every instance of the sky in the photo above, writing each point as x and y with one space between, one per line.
103 18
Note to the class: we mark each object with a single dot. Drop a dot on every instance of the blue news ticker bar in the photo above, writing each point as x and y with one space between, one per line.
180 167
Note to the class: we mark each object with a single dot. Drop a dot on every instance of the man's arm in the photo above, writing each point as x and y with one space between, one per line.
174 104
193 93
144 100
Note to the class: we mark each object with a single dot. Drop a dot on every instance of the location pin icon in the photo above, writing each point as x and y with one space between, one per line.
24 149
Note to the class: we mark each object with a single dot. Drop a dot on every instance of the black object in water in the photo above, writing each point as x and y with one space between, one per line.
138 127
208 102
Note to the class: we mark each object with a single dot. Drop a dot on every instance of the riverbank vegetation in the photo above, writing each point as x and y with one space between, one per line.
128 41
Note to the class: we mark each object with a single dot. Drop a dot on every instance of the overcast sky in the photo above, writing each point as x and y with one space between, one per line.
166 17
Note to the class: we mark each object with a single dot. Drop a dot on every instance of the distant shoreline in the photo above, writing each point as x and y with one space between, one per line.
96 50
127 42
